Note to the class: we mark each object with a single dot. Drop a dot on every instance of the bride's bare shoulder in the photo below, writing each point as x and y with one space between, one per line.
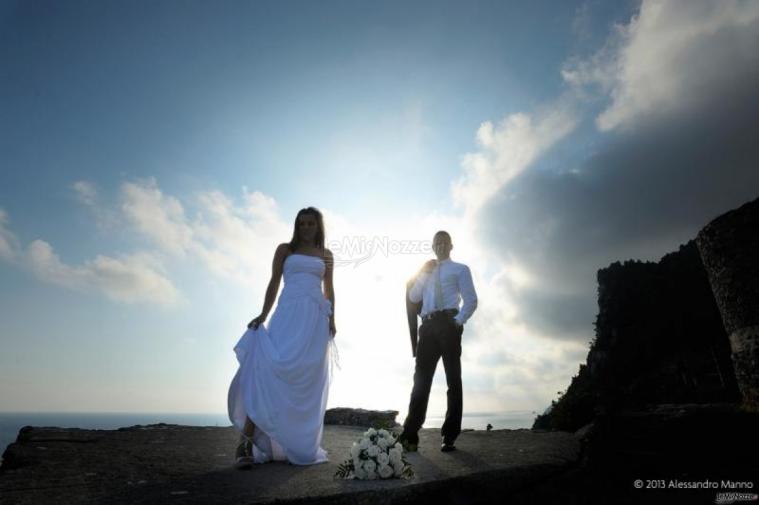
283 251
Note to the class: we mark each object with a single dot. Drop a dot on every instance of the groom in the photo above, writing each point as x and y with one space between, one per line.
439 285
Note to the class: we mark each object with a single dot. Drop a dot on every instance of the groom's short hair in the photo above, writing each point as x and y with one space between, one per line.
443 232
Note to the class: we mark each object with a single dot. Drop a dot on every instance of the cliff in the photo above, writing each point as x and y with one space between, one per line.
669 391
659 339
162 463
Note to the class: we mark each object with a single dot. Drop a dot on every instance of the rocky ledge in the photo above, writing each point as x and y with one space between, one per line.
361 417
163 463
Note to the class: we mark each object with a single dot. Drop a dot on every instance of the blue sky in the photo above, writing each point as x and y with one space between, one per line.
154 153
198 95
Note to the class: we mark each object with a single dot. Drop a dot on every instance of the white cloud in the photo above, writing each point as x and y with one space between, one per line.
237 242
233 241
261 207
130 279
509 148
161 218
8 242
670 54
133 279
136 278
686 67
85 192
581 23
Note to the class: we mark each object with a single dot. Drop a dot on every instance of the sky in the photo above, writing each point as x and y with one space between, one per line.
153 155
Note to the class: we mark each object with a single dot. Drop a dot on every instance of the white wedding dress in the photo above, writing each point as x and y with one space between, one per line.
282 383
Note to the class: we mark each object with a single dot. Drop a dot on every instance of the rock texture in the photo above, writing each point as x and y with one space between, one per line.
729 246
659 339
658 400
666 444
159 464
361 417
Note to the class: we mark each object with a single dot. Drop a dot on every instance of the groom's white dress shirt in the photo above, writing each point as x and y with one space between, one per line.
456 284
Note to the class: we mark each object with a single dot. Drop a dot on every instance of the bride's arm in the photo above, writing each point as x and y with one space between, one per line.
329 288
273 288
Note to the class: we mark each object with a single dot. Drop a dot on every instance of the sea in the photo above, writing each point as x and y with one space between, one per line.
12 422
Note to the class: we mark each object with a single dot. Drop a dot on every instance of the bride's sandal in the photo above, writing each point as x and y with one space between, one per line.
244 453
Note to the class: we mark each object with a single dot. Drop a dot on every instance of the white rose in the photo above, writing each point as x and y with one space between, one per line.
370 432
398 445
373 451
395 455
385 471
372 475
384 433
355 450
398 470
383 458
364 443
382 443
360 473
370 466
391 441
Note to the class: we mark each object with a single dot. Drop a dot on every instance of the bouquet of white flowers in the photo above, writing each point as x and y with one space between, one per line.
377 455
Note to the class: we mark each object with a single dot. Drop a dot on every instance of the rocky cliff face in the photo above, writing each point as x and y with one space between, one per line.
729 246
664 395
660 336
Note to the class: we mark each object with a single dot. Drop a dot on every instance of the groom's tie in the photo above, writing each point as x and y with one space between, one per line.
438 290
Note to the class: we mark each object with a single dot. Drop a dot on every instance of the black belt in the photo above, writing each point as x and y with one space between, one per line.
440 313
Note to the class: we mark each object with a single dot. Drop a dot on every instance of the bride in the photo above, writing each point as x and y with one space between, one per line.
279 394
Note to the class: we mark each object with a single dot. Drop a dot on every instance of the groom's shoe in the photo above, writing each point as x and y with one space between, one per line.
447 445
410 443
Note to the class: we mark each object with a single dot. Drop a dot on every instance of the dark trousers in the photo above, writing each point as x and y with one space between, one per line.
438 337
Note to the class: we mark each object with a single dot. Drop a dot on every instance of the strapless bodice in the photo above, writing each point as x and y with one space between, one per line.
303 277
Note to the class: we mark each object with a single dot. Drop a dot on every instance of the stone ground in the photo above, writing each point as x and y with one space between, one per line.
182 464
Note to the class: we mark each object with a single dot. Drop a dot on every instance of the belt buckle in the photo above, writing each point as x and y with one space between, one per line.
436 313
